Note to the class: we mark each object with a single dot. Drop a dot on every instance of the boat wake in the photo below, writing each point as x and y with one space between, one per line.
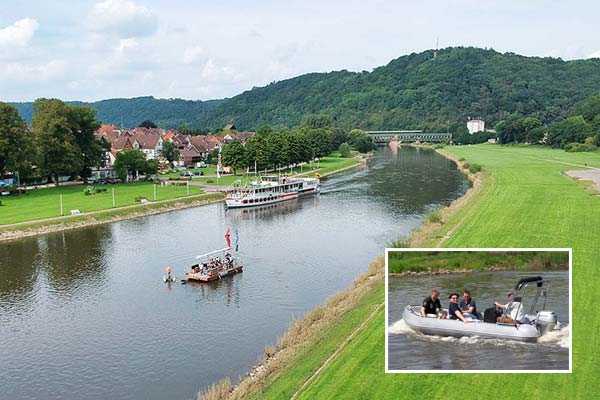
561 337
558 337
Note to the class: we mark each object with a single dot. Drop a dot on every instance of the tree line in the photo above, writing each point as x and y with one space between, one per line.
270 148
578 131
60 141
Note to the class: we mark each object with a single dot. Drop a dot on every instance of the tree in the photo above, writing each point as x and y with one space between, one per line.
82 121
344 150
147 124
361 141
234 155
59 152
170 152
17 151
571 130
130 163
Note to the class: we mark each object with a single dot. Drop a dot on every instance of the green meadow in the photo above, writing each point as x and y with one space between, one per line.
45 203
526 201
325 166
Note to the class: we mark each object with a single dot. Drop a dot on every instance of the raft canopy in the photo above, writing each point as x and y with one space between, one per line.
530 279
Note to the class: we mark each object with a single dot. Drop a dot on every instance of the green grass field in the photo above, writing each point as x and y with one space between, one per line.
325 166
526 202
45 203
418 261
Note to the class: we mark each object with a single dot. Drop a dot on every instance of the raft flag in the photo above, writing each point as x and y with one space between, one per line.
228 237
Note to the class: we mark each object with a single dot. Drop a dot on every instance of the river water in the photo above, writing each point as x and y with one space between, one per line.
85 314
409 350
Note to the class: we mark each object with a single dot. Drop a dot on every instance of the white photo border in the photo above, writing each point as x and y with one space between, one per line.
481 249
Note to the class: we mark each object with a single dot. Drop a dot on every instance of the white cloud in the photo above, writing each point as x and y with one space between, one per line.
193 55
595 54
19 33
127 44
22 72
123 18
214 72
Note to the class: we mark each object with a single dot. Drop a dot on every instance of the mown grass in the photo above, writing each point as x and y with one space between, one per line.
399 262
325 166
45 203
526 201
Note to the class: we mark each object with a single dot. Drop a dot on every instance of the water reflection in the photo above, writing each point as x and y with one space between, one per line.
85 313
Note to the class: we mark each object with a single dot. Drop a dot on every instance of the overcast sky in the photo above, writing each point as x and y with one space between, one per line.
98 49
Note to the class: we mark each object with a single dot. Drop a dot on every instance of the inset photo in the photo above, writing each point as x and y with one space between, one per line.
478 310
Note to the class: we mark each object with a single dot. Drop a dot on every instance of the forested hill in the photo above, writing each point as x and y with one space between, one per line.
417 91
168 113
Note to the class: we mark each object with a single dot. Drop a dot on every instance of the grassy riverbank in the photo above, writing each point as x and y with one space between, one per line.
326 166
400 262
38 227
524 200
44 203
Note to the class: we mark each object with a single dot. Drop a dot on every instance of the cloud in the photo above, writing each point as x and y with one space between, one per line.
214 72
194 54
23 72
123 18
19 33
595 54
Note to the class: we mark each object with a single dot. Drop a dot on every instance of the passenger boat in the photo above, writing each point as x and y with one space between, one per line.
533 325
270 190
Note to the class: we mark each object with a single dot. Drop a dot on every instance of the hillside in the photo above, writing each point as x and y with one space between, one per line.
130 112
412 91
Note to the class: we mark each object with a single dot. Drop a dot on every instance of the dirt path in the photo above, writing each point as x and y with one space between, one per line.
592 175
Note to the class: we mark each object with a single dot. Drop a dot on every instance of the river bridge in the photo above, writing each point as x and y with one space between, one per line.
403 136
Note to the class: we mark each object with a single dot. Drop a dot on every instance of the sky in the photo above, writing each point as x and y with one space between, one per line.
199 49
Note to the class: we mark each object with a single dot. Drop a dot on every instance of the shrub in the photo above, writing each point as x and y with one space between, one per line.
344 150
579 147
88 191
461 159
466 165
210 181
434 218
474 168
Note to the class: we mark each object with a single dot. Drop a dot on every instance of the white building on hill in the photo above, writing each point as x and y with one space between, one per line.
475 125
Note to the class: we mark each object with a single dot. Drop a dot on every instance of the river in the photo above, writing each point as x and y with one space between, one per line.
85 314
409 350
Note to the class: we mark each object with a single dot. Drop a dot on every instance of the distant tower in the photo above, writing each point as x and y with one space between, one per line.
437 45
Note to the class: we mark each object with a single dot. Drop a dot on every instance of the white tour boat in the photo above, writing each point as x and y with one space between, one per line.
271 189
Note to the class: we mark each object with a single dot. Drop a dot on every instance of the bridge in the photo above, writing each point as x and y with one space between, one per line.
382 137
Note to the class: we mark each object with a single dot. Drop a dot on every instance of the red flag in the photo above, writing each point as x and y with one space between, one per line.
228 237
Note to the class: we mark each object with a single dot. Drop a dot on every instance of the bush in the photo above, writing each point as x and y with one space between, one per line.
210 181
466 165
434 218
88 191
580 147
461 159
344 150
474 168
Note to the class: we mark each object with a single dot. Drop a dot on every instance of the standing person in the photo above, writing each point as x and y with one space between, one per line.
467 305
431 305
453 308
513 310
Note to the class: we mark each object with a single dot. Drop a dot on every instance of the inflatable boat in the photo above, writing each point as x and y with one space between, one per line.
529 329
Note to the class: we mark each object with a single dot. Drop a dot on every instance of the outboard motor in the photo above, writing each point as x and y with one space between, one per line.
545 321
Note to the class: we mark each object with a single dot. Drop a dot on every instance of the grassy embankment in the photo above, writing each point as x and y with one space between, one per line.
327 165
525 200
435 261
45 203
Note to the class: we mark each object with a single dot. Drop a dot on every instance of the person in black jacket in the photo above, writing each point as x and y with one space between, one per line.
432 305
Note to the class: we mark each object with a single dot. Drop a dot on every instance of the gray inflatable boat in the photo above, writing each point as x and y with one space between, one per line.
533 325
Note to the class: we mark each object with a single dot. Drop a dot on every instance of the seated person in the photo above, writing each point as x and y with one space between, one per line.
454 310
467 306
512 311
431 305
